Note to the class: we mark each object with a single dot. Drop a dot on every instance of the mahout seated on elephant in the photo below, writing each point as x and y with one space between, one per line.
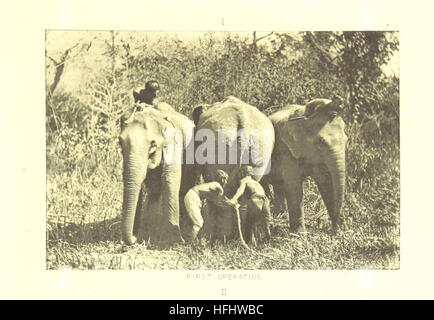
148 97
310 141
254 205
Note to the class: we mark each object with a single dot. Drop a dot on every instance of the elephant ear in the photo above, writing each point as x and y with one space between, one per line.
162 127
127 117
296 129
337 101
161 139
293 133
336 105
183 125
168 132
136 96
316 106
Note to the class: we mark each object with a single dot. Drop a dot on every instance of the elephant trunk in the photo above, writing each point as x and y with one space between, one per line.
134 173
336 166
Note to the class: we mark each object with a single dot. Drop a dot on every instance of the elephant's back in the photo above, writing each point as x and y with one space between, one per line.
226 119
233 113
163 106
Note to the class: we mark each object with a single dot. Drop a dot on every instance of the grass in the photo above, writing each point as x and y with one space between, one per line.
84 204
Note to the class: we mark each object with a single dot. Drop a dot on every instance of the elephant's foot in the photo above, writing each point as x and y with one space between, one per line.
174 240
173 237
131 241
338 226
253 241
189 237
167 236
267 233
300 228
142 235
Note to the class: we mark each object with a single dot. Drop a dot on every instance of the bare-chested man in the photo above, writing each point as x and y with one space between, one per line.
212 191
255 204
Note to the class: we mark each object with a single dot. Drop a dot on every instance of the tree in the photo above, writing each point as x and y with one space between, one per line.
358 58
59 64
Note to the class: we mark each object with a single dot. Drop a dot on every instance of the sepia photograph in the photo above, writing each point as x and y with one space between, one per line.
222 150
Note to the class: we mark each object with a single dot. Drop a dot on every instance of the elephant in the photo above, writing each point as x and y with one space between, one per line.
236 134
310 141
154 175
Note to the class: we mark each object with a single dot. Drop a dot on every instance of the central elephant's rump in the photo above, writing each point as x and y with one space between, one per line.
229 134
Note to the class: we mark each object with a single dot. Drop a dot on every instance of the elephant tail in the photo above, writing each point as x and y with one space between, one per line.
243 242
240 233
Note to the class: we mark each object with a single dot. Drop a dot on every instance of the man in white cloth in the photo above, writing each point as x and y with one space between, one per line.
212 191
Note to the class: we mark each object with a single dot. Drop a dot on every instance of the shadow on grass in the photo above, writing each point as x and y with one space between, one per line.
109 230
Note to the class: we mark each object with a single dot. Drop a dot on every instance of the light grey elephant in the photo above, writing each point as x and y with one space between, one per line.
310 141
235 133
153 187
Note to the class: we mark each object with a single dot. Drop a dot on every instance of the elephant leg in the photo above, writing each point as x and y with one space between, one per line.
268 187
274 191
193 205
141 219
255 215
154 218
208 222
169 208
253 237
279 197
191 176
249 228
266 217
212 222
293 188
185 222
294 198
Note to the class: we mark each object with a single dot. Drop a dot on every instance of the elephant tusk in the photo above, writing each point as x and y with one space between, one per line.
294 235
139 106
113 224
298 118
